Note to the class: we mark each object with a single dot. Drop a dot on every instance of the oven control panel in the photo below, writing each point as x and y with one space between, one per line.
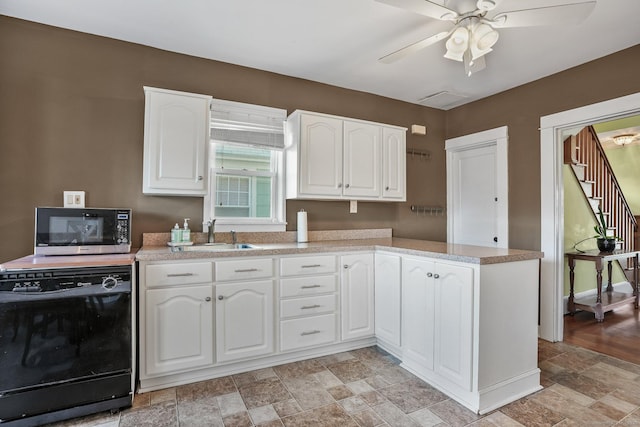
66 278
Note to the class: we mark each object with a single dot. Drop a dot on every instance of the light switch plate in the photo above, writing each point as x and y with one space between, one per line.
73 199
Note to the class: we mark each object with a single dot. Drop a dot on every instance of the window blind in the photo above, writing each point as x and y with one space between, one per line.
249 124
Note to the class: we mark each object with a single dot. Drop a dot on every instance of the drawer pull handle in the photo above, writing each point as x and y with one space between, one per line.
310 333
306 307
246 270
180 274
309 286
312 266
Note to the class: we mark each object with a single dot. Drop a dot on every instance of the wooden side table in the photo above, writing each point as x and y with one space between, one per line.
611 299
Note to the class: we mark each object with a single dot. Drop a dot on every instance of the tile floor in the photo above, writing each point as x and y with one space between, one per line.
366 387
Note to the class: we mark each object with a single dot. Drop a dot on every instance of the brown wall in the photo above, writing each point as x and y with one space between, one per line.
71 118
520 109
72 113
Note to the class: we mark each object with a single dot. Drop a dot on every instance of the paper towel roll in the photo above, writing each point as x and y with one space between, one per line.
302 226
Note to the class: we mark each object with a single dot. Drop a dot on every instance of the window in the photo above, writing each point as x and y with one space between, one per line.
246 169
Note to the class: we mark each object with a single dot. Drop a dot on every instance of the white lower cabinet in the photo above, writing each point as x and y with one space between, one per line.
387 299
176 315
468 329
418 313
308 302
179 329
244 320
437 309
244 309
453 326
357 296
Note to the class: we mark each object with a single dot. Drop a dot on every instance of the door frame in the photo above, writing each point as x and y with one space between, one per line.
552 202
498 137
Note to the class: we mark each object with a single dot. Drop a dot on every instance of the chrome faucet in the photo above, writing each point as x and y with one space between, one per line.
233 237
211 225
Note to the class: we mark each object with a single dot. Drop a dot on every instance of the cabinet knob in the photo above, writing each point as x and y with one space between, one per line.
435 276
346 266
200 178
386 188
429 274
220 298
347 186
340 185
207 299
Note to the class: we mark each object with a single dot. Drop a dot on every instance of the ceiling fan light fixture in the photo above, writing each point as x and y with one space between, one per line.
457 44
483 37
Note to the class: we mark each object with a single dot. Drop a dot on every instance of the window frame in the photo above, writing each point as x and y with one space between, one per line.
276 222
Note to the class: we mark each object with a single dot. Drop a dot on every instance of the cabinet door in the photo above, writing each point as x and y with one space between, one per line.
418 312
357 296
394 161
454 323
175 138
179 329
361 159
320 156
244 320
387 298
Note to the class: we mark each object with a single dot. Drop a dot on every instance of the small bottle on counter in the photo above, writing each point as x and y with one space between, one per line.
186 232
176 234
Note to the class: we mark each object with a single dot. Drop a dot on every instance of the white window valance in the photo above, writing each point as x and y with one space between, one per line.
241 123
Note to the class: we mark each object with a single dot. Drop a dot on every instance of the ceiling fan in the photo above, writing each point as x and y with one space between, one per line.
474 32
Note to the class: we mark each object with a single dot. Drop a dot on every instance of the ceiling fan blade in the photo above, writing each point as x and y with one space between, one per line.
424 7
561 14
401 53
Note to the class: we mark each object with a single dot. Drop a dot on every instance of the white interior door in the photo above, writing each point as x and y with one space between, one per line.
477 189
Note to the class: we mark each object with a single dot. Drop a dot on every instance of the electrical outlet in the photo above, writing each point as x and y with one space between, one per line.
73 199
353 206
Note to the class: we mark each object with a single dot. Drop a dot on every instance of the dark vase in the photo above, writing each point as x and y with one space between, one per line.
606 245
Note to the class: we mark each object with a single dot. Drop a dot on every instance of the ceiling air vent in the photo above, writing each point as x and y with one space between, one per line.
443 100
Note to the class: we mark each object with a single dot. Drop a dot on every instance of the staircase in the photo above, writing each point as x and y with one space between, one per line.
586 156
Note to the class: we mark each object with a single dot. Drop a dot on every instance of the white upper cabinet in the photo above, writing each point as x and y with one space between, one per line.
394 161
176 131
320 156
336 158
361 159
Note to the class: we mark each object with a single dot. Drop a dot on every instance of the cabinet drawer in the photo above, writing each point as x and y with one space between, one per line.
307 332
307 265
244 269
178 274
305 306
301 286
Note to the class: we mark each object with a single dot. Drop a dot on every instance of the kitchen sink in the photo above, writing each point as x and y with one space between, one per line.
212 247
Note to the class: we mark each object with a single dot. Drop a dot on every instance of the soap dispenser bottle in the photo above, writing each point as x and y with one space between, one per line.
176 234
186 232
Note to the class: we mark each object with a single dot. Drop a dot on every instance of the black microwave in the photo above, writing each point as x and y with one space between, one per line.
71 231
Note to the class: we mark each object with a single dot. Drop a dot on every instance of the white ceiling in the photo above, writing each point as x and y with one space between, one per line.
338 42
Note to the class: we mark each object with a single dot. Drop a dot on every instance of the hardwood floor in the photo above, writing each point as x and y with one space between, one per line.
617 336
